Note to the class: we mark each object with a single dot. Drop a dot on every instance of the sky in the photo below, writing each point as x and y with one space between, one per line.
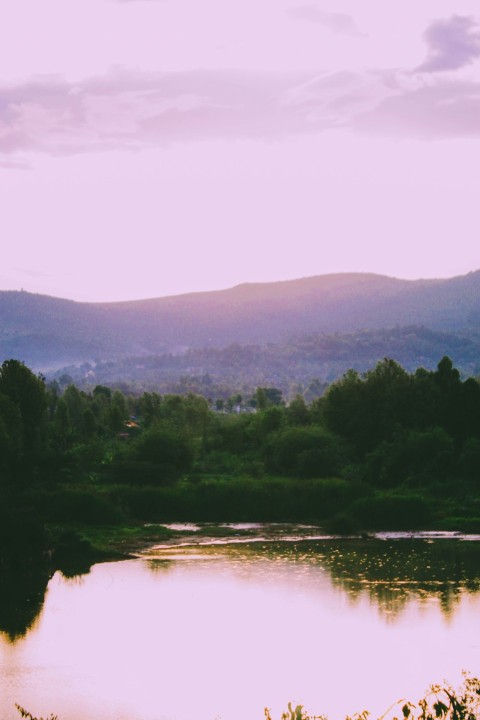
158 147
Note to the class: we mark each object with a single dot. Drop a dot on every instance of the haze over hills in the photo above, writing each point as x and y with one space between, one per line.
48 332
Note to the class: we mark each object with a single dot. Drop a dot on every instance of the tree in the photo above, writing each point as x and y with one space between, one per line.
297 411
27 392
413 455
160 456
371 408
150 408
117 412
265 397
306 452
11 442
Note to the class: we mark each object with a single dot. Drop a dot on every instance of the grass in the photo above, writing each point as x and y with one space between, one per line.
117 541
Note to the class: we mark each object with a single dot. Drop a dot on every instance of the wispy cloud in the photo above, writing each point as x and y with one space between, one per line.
443 110
338 23
137 110
27 272
13 164
452 44
134 110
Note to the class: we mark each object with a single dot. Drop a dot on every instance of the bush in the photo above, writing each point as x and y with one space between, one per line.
428 454
71 546
158 457
392 512
307 452
470 459
441 702
79 506
22 534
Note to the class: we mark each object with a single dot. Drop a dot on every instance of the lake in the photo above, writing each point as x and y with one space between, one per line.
220 629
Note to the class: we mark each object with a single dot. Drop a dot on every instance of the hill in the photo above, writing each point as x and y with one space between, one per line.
304 365
49 332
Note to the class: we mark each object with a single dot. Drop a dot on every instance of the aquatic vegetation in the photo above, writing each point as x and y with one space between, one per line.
441 702
28 716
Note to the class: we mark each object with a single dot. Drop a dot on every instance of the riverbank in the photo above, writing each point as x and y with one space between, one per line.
111 543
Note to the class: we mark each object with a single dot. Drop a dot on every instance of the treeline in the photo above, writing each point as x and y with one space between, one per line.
301 365
385 449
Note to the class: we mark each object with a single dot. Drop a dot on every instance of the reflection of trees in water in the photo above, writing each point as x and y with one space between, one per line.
159 565
389 573
22 596
21 599
393 572
75 572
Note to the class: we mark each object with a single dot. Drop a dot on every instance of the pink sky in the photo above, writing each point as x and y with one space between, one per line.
154 147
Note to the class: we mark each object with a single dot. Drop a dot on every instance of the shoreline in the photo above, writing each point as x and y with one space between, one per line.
110 544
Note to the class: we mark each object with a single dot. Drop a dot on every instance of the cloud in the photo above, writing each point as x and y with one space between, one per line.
442 110
135 110
338 23
452 44
31 273
125 110
11 164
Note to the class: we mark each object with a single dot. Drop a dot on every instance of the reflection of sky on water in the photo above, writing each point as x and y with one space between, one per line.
223 631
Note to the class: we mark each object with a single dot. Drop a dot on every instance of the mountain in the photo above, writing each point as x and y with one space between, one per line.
49 332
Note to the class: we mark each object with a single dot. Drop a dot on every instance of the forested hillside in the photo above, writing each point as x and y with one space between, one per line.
49 333
303 365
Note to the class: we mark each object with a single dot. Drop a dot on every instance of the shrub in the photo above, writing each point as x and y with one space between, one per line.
306 452
441 702
392 512
80 506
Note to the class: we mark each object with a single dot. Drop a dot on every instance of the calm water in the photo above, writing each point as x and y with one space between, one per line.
222 631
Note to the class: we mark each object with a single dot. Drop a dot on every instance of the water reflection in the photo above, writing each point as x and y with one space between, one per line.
22 594
222 631
21 600
390 573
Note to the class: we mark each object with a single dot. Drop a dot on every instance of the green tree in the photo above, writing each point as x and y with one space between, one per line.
369 409
76 403
265 397
415 456
297 411
306 452
150 408
117 412
11 442
27 392
160 456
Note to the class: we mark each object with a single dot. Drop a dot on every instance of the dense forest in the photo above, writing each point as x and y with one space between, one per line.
386 449
302 365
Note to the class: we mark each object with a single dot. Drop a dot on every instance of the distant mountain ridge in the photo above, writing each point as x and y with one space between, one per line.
50 332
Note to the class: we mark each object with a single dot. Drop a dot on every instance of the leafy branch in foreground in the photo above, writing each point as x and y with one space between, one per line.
28 716
441 702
